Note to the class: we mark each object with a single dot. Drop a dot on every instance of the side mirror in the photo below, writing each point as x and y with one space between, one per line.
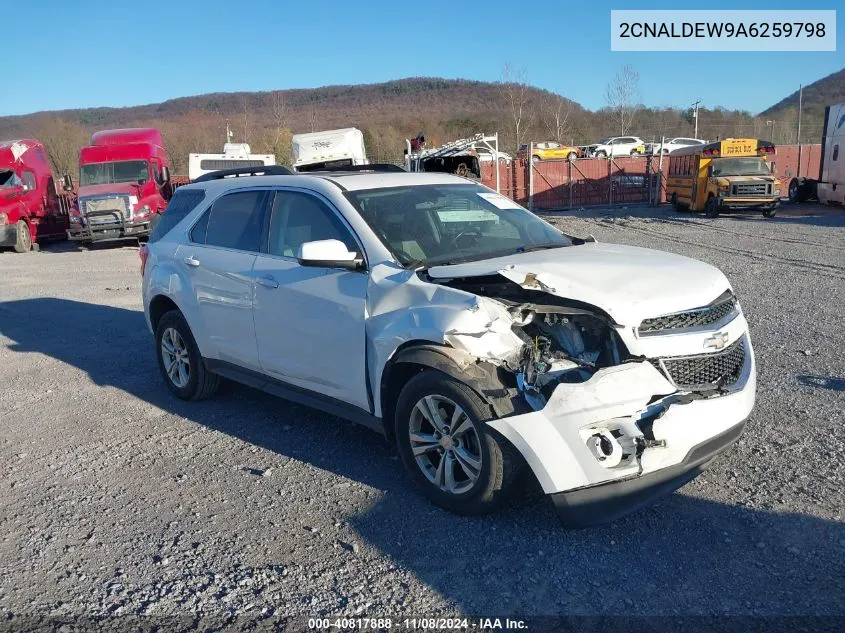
328 254
164 176
710 171
67 183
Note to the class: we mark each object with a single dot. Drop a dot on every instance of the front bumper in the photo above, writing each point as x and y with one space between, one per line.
115 229
606 502
749 203
664 437
8 235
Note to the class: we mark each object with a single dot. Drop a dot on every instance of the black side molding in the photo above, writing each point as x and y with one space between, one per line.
295 394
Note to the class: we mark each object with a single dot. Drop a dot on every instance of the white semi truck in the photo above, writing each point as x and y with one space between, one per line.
330 149
234 155
830 186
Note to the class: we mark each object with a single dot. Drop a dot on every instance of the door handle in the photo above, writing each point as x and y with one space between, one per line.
267 281
192 261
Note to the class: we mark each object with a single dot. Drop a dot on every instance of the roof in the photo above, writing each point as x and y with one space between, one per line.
317 180
11 151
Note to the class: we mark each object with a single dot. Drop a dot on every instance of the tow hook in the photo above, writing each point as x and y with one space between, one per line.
644 443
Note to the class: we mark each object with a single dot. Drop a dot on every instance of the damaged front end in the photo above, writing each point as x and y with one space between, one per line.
608 428
560 341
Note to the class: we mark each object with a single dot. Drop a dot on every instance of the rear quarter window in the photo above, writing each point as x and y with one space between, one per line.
181 204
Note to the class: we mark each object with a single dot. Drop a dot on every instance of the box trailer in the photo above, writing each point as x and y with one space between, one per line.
330 149
829 188
234 155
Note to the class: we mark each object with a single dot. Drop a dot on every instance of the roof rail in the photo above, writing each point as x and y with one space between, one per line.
265 170
381 167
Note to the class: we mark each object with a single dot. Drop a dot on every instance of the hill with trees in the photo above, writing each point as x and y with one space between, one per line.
824 92
388 113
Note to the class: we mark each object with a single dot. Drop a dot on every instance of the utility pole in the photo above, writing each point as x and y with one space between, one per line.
772 123
695 116
800 106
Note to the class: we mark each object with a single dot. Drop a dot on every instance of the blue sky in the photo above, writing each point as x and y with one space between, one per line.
93 53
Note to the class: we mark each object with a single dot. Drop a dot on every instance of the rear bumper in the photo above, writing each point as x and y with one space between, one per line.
109 232
586 507
8 235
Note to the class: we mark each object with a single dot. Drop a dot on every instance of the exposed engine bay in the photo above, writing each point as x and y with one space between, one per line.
564 341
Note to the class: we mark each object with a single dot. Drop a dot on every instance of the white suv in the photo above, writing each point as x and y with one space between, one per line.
476 336
619 146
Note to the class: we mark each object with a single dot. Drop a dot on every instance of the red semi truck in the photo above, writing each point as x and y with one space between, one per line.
124 183
29 207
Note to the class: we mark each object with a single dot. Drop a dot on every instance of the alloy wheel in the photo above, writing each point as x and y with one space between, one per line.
445 444
174 353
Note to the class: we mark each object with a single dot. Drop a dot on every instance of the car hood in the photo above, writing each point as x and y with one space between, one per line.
627 282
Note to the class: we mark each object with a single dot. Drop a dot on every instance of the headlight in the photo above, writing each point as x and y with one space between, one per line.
143 211
4 219
777 191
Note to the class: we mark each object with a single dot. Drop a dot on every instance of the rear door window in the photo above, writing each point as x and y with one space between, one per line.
181 204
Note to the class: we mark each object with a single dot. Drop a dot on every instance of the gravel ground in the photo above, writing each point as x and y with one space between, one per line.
119 499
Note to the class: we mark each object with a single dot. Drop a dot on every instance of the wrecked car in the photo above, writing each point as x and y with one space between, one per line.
480 339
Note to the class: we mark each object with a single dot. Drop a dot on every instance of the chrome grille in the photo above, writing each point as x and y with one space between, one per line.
110 203
705 372
752 189
699 317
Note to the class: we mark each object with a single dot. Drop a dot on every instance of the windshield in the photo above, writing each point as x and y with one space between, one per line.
9 179
603 141
108 173
741 167
430 225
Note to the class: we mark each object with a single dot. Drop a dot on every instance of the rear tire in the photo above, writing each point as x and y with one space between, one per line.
179 359
674 201
24 242
601 154
572 156
452 456
535 159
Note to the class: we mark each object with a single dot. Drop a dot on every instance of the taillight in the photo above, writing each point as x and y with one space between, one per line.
143 253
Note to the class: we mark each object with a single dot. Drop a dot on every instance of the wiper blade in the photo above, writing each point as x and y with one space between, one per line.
538 247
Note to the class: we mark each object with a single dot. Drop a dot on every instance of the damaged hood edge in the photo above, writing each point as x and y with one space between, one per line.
627 282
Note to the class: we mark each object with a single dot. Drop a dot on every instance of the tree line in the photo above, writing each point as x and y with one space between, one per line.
390 113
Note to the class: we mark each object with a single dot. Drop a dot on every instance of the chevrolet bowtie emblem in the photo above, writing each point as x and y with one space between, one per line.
717 341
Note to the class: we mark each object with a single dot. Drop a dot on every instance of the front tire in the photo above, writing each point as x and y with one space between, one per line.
179 359
24 242
711 207
453 457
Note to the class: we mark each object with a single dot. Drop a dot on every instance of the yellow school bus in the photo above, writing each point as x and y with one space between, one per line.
736 173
